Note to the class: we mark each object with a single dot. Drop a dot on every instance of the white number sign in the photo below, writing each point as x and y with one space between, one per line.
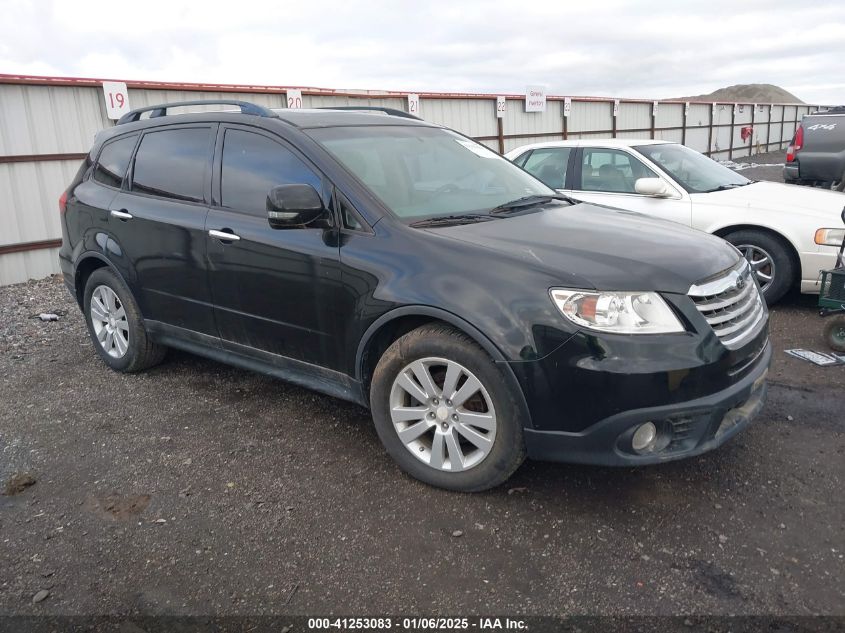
294 98
501 107
117 99
535 99
567 106
414 105
686 109
615 108
654 108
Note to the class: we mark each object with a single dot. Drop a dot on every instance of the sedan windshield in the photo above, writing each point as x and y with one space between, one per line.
423 172
693 171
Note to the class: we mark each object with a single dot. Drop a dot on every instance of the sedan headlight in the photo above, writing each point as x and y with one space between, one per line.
830 237
617 312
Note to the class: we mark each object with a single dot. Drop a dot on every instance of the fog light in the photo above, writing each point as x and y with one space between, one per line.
644 437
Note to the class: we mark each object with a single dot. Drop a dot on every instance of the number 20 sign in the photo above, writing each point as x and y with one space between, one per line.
117 99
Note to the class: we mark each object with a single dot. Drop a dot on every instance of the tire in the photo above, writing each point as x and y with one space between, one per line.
757 244
834 333
840 184
122 342
439 350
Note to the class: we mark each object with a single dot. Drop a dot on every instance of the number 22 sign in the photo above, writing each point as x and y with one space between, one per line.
117 99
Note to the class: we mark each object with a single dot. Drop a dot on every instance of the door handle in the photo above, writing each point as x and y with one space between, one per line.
120 215
224 235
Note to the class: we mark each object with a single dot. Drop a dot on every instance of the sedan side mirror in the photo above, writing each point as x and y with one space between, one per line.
293 206
655 187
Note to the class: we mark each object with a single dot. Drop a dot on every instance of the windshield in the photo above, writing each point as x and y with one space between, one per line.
423 172
693 171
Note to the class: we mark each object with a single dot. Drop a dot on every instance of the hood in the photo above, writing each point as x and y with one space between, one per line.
590 246
776 196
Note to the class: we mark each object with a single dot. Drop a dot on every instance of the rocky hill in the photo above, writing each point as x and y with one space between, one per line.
748 93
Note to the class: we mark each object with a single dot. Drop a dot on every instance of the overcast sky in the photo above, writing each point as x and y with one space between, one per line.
645 49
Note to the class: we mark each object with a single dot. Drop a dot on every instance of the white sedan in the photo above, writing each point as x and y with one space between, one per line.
788 233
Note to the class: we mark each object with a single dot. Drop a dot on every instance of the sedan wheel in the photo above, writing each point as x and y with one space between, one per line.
108 318
761 262
771 259
443 414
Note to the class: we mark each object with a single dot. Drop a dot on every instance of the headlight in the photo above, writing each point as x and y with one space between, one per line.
830 237
617 312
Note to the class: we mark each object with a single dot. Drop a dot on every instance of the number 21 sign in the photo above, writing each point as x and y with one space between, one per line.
117 99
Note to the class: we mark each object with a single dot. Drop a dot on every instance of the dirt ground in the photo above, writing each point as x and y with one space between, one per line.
196 488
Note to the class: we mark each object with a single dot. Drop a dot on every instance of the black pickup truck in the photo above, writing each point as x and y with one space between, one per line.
816 155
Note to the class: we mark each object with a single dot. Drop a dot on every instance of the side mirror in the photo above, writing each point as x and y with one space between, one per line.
292 206
655 187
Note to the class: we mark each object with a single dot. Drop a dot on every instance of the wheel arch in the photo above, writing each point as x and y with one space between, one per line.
792 251
86 264
399 321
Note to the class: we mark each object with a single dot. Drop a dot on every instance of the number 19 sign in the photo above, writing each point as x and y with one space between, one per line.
117 99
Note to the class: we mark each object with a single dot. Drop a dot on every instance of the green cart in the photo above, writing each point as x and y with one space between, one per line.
832 300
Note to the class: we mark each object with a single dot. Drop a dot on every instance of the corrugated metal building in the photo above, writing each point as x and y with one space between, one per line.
47 125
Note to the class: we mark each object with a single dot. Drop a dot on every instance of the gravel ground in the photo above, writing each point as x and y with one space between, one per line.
196 488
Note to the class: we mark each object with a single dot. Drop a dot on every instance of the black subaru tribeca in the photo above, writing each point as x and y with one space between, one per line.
384 260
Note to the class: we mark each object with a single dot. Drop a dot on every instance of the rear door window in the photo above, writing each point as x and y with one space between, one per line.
549 165
252 164
114 160
173 163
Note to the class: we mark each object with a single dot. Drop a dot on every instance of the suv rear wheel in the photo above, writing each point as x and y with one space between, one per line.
444 411
770 261
115 324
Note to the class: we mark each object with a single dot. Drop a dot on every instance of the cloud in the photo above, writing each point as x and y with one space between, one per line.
646 49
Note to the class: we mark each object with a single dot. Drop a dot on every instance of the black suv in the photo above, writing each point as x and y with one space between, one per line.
400 265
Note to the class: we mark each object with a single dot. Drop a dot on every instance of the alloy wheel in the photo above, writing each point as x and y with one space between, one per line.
762 264
108 318
443 414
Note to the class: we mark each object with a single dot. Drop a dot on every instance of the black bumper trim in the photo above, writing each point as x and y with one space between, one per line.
599 444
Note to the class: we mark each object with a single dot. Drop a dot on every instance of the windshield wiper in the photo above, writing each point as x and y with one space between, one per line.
452 220
729 186
528 201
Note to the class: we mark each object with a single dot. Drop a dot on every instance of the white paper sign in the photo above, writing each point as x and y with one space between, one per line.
615 108
535 99
567 106
117 99
714 108
414 105
654 108
501 107
686 109
736 108
294 98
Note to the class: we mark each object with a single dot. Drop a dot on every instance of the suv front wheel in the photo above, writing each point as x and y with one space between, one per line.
444 411
116 326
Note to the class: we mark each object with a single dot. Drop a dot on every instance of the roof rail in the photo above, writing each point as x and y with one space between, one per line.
388 111
161 110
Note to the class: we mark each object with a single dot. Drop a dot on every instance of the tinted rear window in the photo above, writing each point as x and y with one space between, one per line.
114 159
172 164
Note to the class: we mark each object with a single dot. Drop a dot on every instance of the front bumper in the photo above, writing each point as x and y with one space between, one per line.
685 428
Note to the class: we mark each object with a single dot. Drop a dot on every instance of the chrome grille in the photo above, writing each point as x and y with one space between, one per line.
732 304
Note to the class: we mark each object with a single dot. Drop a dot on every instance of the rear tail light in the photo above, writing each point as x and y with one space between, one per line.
796 144
63 202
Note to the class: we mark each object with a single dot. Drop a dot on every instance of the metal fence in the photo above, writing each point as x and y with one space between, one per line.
47 125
